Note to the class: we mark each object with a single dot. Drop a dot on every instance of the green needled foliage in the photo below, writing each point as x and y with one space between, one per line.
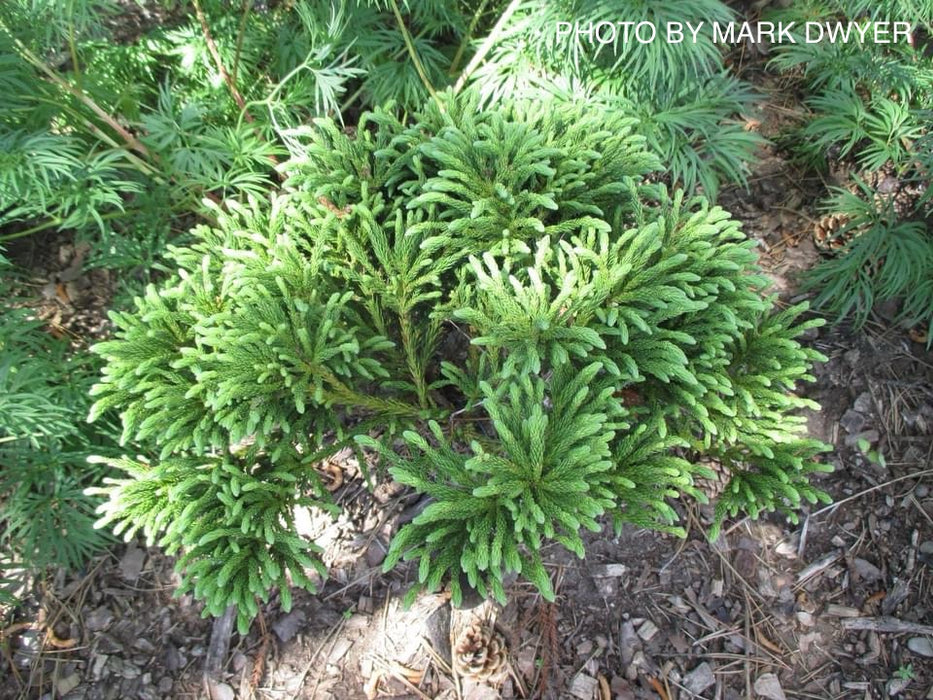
230 518
45 518
553 338
871 105
594 52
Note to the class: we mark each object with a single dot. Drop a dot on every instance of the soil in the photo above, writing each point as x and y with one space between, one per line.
839 605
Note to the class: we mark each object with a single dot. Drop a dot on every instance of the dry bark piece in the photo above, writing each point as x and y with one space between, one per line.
699 679
889 625
768 686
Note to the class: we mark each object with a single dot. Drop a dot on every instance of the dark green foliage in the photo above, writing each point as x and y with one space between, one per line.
229 518
886 258
686 106
491 285
45 518
870 107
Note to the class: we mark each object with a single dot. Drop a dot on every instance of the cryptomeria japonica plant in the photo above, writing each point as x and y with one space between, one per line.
539 337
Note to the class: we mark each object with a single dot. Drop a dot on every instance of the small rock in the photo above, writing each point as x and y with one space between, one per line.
612 570
805 619
98 619
97 670
67 684
921 645
866 570
863 404
144 645
131 565
165 685
699 679
922 491
647 630
584 648
896 686
584 687
287 627
767 685
221 691
852 421
238 662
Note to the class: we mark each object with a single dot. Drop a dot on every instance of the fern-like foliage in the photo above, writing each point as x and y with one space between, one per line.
870 107
687 108
45 518
494 285
886 258
232 519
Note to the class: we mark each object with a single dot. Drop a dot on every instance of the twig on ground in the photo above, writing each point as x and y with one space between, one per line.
833 506
890 625
217 650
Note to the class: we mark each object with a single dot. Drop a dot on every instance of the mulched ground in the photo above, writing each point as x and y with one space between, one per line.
839 606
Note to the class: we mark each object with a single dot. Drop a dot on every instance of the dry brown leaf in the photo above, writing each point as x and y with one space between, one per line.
412 675
769 645
604 692
54 640
332 475
919 334
658 687
372 685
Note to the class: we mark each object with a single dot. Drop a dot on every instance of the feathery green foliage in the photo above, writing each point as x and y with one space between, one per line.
45 518
230 518
870 108
490 285
687 108
886 258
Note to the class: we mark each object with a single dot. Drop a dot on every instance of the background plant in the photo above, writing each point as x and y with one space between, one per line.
869 119
689 109
45 517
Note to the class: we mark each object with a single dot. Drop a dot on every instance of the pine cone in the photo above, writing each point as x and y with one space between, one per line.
480 652
826 232
714 487
905 201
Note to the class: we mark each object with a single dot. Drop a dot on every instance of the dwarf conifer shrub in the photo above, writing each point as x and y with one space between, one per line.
540 337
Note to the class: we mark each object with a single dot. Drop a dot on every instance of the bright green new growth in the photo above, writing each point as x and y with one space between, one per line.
553 338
